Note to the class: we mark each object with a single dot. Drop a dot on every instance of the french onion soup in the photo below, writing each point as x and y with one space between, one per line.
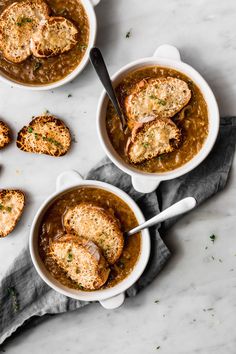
81 239
167 118
41 42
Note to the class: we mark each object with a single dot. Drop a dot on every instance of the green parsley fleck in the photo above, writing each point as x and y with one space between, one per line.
69 257
1 206
23 21
12 292
37 66
30 130
128 34
213 238
145 145
9 209
36 136
162 102
82 47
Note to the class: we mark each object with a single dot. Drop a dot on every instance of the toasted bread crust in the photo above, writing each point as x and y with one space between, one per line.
151 139
45 42
5 135
45 135
96 224
11 207
159 97
18 22
82 261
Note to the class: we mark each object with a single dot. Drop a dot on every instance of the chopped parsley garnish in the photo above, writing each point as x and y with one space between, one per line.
145 145
159 101
12 292
30 130
69 257
7 208
213 237
128 34
162 102
53 141
36 136
24 20
80 286
37 66
82 47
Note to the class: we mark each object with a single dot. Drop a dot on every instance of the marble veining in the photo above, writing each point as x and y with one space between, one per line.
195 294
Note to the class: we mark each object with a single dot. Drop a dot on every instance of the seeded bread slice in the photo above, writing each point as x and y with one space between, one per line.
98 225
5 135
151 139
18 22
11 207
81 260
160 97
56 35
45 135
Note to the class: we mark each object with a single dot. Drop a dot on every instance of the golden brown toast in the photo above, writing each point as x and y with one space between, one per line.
18 22
98 225
45 135
160 97
151 139
55 36
81 260
11 207
5 135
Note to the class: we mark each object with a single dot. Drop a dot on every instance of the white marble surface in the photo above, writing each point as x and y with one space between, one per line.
193 281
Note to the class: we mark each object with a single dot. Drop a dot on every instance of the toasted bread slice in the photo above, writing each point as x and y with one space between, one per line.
5 135
160 97
98 225
151 139
45 135
57 35
81 260
11 207
18 22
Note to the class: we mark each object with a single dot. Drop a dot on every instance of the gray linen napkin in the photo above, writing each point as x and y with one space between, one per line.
24 295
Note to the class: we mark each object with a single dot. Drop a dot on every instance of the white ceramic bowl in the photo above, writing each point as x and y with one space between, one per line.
109 298
89 8
165 56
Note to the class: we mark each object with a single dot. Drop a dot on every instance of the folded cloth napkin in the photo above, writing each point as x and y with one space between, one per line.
24 295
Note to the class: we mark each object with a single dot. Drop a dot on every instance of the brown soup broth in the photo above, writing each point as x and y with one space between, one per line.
192 120
52 228
40 71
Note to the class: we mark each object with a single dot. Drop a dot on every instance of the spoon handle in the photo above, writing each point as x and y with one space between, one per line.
178 208
99 65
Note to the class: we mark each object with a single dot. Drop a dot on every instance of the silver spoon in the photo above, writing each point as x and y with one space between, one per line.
178 208
99 65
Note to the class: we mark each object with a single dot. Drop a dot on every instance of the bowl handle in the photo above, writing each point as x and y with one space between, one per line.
95 2
144 185
68 179
167 51
113 302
